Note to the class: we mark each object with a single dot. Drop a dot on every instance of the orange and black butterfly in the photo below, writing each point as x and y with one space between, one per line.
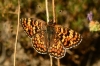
50 38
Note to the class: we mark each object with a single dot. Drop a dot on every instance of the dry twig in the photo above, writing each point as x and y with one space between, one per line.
17 33
54 20
47 15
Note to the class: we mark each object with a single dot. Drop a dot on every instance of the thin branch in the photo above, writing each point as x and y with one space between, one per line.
69 52
54 20
58 60
47 13
53 9
17 33
50 61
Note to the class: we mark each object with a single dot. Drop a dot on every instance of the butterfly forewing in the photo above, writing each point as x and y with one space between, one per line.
68 37
32 26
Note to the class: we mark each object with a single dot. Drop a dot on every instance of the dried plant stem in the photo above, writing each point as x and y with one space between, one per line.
58 62
16 33
69 52
50 61
54 20
47 15
53 9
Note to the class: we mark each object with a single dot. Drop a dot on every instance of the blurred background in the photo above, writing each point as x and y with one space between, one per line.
70 13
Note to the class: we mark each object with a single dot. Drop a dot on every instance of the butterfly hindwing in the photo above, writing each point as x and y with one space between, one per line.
39 42
56 49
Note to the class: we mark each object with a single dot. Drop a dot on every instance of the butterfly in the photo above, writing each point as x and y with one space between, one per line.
50 38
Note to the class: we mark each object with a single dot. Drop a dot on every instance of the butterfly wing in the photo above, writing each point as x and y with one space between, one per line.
39 42
32 26
56 48
68 37
36 30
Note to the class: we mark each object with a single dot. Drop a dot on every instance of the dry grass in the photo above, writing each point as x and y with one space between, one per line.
17 33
